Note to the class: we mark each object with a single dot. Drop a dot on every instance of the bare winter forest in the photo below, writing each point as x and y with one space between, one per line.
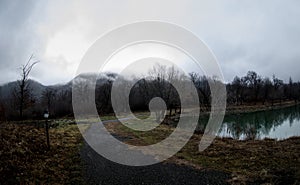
150 92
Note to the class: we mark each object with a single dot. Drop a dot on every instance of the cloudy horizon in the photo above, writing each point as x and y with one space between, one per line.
262 36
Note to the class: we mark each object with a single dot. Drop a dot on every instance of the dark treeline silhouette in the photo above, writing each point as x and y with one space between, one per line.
249 89
253 88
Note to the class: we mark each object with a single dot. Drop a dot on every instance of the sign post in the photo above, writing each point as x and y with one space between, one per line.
46 115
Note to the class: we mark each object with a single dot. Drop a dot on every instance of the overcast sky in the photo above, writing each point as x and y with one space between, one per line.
244 35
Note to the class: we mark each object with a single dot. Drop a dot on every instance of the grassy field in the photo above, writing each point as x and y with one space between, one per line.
259 161
26 160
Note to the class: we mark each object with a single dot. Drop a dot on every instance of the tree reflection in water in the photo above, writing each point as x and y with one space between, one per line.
277 124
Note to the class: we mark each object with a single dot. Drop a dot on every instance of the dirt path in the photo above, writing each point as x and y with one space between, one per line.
99 170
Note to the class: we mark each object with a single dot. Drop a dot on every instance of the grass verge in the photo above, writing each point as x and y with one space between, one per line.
252 161
24 158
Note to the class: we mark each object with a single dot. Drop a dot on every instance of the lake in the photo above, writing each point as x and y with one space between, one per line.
276 124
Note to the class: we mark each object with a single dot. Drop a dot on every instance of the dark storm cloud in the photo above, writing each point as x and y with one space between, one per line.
263 36
257 35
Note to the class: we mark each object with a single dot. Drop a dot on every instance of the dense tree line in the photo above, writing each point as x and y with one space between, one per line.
254 89
249 89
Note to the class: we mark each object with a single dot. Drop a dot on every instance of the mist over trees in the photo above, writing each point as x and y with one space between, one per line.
251 89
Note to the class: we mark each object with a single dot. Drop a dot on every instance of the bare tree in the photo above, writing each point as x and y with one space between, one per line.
202 85
267 90
290 88
255 84
236 89
48 97
22 92
277 89
62 104
103 96
2 108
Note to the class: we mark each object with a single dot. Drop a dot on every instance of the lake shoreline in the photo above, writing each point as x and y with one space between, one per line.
259 108
248 161
251 108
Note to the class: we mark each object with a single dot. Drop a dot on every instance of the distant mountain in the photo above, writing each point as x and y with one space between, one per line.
6 90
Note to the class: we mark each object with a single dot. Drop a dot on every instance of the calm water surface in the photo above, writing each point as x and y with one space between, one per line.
276 124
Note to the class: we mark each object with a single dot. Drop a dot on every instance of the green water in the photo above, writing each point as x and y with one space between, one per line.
276 124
